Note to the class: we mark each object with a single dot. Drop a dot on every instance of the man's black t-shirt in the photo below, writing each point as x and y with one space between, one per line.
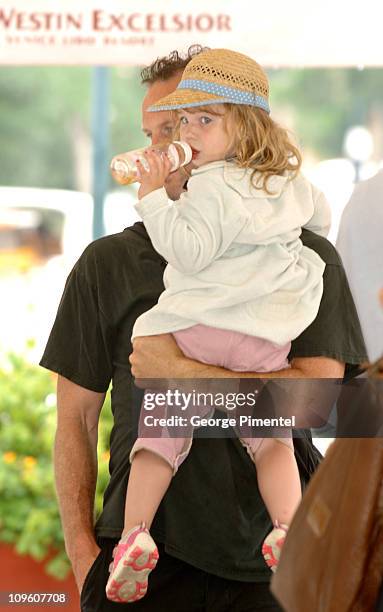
212 515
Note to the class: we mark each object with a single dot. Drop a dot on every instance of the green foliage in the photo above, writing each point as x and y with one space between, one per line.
29 517
126 94
44 110
37 108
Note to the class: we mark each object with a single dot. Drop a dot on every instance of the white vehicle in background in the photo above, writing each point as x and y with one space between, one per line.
37 224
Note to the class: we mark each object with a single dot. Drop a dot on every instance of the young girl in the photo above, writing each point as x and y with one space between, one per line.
239 283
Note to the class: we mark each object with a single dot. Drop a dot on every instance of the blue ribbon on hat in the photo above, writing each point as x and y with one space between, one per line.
227 94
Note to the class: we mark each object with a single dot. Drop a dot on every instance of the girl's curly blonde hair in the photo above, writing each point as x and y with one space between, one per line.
258 142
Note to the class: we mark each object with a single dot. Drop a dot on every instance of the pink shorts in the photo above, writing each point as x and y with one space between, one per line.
227 349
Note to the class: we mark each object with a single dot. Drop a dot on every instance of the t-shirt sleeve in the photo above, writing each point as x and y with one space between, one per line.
336 331
79 345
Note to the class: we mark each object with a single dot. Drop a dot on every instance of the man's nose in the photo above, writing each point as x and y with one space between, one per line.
156 139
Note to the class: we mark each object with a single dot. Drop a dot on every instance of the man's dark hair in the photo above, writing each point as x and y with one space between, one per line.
164 68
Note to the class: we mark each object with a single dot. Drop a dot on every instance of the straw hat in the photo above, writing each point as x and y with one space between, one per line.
216 76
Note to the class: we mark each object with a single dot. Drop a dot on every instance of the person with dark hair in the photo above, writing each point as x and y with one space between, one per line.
165 68
211 524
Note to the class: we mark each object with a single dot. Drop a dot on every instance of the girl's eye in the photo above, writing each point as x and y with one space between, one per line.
183 121
205 120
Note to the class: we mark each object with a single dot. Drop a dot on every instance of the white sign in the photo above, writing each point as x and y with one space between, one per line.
276 32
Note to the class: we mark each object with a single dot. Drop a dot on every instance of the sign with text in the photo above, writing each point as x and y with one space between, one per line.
276 33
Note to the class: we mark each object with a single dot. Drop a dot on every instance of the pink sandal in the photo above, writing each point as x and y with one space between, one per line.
272 545
134 557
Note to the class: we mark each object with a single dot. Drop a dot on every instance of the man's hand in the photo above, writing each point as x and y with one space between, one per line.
156 357
157 173
158 363
83 562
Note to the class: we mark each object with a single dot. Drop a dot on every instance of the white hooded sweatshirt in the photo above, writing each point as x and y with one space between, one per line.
235 259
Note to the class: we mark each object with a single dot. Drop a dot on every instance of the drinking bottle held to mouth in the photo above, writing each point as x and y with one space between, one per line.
124 166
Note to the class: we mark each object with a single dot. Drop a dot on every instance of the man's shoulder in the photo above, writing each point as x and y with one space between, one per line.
131 242
127 239
128 254
322 246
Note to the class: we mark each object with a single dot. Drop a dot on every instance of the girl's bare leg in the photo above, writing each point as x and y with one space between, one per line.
278 479
149 479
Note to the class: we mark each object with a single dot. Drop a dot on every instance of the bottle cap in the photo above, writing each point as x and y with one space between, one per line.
187 151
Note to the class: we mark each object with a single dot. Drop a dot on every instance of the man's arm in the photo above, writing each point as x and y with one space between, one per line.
75 463
157 356
154 357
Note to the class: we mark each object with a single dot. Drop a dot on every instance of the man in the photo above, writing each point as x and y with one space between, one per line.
212 522
359 242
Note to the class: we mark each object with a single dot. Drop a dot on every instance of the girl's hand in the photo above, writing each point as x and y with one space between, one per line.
154 178
175 184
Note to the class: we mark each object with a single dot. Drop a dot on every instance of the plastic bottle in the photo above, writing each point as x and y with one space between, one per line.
124 167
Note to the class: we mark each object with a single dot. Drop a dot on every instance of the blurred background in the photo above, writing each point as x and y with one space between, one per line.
51 207
46 202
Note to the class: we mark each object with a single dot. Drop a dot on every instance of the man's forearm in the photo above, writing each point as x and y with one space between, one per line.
155 358
307 367
159 357
310 400
75 463
75 458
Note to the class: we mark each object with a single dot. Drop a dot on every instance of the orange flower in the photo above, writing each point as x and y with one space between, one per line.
9 457
29 462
